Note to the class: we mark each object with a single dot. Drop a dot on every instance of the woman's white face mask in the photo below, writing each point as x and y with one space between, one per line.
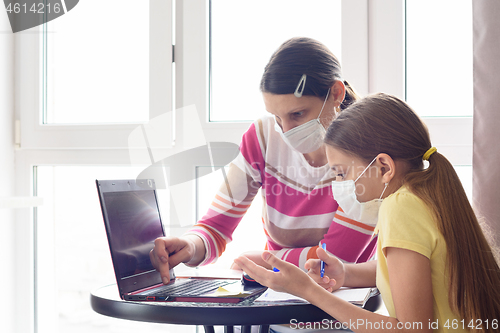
344 192
307 137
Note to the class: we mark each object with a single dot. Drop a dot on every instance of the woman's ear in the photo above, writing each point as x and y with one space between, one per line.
337 91
387 167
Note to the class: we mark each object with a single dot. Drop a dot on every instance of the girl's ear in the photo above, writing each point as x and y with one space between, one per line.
387 167
338 92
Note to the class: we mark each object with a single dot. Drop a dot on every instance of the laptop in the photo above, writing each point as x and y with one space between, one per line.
132 219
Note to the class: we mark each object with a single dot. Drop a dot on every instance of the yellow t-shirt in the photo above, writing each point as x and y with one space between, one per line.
406 222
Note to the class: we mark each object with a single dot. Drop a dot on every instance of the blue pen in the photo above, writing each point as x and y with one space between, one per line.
322 262
275 269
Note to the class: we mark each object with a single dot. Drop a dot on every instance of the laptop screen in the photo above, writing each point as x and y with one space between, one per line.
133 222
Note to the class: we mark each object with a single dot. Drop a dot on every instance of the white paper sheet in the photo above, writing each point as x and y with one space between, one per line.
352 295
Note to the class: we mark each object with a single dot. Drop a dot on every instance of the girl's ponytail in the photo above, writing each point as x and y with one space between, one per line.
472 272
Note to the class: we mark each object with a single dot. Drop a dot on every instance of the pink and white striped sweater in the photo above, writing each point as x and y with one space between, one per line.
299 210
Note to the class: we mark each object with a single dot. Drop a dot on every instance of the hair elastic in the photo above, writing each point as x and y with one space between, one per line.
428 153
301 86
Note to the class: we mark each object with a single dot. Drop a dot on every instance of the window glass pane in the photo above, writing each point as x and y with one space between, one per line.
248 236
72 252
244 35
439 57
96 64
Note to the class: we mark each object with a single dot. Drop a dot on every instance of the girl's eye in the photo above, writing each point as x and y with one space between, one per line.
340 175
298 114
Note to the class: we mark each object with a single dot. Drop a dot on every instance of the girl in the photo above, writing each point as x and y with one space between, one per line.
284 155
435 269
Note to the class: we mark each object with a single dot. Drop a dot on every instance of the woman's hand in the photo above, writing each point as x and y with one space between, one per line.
334 270
290 278
168 252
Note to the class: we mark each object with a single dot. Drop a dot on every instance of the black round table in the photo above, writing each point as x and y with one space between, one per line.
105 300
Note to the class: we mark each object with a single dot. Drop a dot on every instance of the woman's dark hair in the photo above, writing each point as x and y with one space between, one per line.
298 56
382 123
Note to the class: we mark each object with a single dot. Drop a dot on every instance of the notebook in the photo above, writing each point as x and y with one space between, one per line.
132 220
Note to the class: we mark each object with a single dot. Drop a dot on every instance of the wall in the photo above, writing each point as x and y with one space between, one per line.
7 278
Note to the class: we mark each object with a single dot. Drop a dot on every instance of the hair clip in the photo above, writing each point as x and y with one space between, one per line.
301 86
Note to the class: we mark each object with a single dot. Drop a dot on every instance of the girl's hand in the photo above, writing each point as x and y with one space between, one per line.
290 278
334 276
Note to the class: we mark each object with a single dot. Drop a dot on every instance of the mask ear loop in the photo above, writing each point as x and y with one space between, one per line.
366 168
385 188
301 86
327 94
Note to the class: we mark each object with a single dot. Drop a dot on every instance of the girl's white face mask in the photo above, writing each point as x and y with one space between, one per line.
344 193
307 137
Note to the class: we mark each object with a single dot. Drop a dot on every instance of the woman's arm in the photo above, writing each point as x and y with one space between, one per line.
411 288
229 206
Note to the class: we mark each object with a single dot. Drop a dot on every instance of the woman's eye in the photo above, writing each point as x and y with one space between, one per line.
298 114
340 175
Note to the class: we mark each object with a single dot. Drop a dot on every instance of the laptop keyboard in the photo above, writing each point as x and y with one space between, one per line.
188 287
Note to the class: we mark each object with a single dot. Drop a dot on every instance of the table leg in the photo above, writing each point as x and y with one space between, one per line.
209 329
228 329
264 329
246 329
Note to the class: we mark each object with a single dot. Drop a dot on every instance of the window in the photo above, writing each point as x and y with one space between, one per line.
439 57
84 85
74 96
439 84
240 48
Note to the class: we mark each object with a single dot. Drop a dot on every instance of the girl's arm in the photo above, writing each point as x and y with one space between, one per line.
360 275
411 288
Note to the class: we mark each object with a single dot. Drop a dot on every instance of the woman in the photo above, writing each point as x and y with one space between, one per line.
284 155
434 268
